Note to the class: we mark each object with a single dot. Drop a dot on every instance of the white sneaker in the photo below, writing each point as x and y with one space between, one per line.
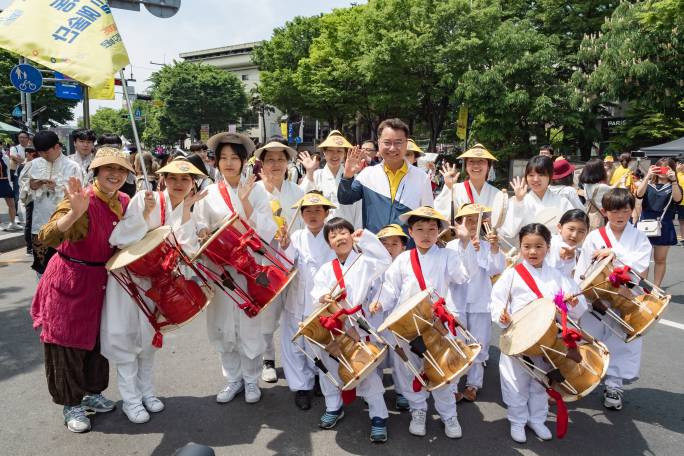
452 428
13 227
612 398
75 419
541 430
153 404
417 426
252 393
228 393
518 433
268 372
136 413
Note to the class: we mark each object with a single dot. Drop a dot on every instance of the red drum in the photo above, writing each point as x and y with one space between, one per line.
235 244
159 259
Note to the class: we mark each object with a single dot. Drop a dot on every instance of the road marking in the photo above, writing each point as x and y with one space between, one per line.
673 324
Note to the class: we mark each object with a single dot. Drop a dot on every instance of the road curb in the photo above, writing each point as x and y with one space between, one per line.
11 241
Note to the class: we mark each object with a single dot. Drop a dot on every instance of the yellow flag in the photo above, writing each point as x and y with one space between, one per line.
75 37
103 92
462 123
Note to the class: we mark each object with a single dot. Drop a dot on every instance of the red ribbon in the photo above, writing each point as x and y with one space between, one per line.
570 336
528 279
469 191
162 207
158 339
417 269
348 396
561 413
333 321
620 276
604 235
417 386
444 315
223 190
337 269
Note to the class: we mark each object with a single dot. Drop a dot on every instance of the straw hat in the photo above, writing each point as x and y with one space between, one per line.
275 145
313 199
335 139
111 156
391 230
562 168
477 151
426 212
471 209
609 159
413 147
231 138
180 166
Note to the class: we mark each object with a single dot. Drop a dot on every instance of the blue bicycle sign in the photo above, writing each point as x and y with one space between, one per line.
26 78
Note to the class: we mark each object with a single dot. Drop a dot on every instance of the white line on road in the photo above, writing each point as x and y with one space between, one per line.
673 324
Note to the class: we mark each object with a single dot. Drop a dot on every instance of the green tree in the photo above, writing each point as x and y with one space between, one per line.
58 111
194 94
107 120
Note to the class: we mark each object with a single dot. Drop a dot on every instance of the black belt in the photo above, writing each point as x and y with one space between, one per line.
76 260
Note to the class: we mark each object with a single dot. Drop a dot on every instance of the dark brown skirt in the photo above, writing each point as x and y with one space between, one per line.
72 373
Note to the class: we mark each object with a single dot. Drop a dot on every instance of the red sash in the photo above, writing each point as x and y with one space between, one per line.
604 235
226 196
162 207
417 270
469 191
337 269
527 278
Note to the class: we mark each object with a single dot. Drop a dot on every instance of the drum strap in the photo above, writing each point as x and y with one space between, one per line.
337 269
162 207
469 191
604 235
417 270
528 279
226 196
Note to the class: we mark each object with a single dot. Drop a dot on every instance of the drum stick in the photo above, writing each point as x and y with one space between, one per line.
479 221
294 217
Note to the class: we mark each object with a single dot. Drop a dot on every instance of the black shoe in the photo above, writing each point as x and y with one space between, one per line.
303 399
317 388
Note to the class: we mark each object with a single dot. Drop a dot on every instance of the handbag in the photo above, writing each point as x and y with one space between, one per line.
596 219
653 227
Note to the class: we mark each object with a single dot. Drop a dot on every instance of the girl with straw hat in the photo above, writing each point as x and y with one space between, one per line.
125 333
327 179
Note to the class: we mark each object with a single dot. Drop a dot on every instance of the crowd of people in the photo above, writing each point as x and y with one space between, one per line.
365 233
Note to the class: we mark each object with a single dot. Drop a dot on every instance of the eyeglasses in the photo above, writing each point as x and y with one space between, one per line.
397 144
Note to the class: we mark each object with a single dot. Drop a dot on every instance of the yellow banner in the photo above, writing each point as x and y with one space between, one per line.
283 129
462 123
103 92
75 37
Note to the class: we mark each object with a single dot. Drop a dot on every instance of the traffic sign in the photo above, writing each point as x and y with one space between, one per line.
69 89
26 78
17 112
138 114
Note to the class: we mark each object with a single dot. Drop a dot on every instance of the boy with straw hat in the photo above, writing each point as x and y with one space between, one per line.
309 250
471 299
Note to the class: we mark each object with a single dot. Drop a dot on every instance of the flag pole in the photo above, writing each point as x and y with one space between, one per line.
124 85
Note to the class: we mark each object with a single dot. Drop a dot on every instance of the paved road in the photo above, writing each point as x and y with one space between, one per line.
188 378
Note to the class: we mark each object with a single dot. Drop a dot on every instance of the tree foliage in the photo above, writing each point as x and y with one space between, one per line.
191 94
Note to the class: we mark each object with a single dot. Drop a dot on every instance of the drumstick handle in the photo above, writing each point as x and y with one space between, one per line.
294 217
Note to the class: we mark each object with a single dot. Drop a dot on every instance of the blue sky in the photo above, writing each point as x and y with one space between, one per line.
201 24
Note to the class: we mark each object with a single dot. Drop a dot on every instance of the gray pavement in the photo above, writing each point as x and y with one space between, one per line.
188 378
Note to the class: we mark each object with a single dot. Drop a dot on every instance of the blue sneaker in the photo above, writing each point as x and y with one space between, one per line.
75 419
401 403
97 403
378 433
330 419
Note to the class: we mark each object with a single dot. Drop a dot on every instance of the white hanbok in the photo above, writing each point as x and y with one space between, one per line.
633 249
287 196
326 182
125 333
470 301
553 259
235 336
309 252
525 397
521 213
441 267
359 271
569 193
485 197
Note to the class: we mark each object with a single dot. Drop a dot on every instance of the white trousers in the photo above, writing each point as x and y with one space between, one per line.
480 326
370 388
135 379
300 371
445 401
236 366
525 398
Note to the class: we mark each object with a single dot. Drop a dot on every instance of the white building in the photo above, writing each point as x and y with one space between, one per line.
238 60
